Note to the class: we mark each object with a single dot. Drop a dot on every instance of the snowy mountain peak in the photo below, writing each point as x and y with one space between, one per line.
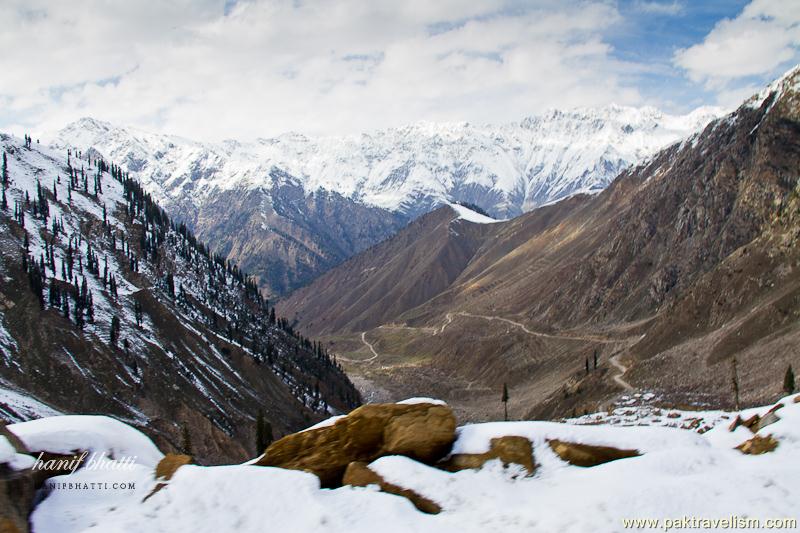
504 169
789 82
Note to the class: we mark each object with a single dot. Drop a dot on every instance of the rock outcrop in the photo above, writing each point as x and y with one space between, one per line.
509 449
166 468
171 462
588 454
424 432
758 445
17 488
358 474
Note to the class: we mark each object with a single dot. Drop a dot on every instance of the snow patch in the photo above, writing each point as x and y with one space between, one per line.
100 434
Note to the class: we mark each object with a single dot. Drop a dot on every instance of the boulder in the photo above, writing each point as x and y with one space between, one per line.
509 449
423 431
171 462
775 407
766 420
358 474
12 439
588 454
166 468
17 489
755 423
16 498
758 445
752 422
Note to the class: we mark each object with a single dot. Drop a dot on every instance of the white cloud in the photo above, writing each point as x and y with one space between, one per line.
319 67
659 8
763 37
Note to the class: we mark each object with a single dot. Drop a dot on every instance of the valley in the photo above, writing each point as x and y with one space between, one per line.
683 264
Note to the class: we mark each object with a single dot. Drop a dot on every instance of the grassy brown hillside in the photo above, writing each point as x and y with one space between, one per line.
682 264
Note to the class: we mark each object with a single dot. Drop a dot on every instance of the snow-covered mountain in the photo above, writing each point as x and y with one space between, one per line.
107 306
290 208
506 169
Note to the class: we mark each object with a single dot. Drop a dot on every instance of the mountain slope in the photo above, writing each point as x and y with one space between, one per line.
683 262
108 306
309 204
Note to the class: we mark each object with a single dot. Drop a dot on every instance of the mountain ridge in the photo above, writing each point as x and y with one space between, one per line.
627 273
288 193
108 305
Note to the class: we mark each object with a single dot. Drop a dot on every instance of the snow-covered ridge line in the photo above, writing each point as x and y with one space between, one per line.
505 169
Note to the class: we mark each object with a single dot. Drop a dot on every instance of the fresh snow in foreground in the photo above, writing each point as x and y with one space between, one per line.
681 473
9 456
95 434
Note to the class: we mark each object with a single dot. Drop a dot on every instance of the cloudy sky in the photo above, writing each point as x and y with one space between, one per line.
213 69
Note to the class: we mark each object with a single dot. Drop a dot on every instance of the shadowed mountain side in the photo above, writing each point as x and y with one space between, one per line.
392 277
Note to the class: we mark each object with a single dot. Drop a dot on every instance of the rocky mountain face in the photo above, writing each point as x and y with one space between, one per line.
107 305
291 207
683 263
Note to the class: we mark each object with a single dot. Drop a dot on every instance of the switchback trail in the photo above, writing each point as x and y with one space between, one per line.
618 379
368 345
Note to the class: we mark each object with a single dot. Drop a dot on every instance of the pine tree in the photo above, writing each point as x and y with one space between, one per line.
587 365
186 441
504 399
788 381
114 333
595 359
735 383
263 433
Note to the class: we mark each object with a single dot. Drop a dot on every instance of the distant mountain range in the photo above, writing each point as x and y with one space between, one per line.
292 207
687 260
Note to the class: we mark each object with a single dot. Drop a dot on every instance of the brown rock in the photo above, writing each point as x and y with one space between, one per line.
752 423
766 420
166 468
587 454
358 474
509 449
17 488
15 441
758 445
7 526
424 432
775 408
171 462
